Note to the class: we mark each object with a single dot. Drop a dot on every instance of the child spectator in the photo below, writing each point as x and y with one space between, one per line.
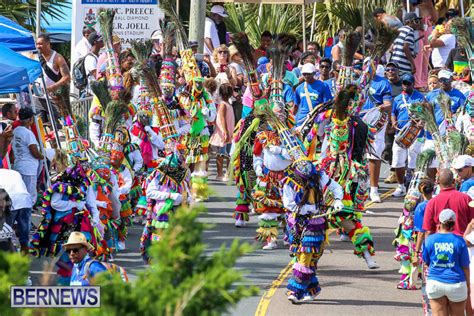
222 136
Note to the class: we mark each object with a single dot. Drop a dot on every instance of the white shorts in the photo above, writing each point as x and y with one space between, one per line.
429 144
455 292
400 155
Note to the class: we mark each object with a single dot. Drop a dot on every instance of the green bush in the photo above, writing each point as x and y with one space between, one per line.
182 279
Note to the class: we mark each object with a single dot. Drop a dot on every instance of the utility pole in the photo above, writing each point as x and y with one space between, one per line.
38 18
197 18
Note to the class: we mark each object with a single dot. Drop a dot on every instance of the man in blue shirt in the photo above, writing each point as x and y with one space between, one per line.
463 165
77 248
400 118
457 101
379 100
309 94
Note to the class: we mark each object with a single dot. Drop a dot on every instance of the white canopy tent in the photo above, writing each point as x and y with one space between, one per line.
302 3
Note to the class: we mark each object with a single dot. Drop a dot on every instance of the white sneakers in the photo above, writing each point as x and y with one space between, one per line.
239 223
400 191
270 245
121 245
374 196
371 264
292 298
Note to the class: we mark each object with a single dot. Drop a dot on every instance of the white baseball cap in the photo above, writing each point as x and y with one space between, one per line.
447 215
308 69
463 161
445 74
218 9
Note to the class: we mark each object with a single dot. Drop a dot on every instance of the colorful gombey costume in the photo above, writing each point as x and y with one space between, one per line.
202 111
68 205
270 161
104 185
124 175
405 237
167 188
243 172
303 199
343 158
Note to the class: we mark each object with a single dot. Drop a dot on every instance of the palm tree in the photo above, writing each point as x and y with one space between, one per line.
23 12
331 15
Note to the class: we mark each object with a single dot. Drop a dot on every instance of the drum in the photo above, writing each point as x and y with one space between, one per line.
408 135
375 118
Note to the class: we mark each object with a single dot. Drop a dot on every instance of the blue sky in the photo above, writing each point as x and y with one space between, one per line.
60 26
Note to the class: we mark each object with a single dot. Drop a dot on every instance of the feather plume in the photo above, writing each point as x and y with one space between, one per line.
444 102
101 91
424 159
114 114
460 28
168 31
384 37
241 42
424 112
456 143
351 44
141 50
106 21
168 7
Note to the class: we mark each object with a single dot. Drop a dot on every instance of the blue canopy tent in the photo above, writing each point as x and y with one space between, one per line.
15 36
16 71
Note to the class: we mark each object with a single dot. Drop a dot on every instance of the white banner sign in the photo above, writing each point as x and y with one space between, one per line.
135 19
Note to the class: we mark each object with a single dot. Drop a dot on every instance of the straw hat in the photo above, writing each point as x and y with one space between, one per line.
232 51
77 238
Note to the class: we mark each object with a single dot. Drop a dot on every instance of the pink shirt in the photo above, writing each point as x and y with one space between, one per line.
218 139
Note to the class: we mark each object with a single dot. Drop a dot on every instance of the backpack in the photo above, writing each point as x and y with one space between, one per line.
112 268
79 76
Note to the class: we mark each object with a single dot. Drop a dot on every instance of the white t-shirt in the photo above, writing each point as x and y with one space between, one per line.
440 54
90 64
25 163
210 31
11 181
82 49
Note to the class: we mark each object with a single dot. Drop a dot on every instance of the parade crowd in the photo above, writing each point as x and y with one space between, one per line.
300 130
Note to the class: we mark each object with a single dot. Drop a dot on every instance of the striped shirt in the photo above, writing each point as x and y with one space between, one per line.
406 35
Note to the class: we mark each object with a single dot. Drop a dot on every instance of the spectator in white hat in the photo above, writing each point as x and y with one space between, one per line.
447 256
211 35
463 165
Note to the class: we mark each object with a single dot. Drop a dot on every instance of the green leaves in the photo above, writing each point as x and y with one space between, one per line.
182 278
331 16
24 12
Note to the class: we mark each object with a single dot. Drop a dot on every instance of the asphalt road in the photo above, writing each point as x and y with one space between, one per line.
348 287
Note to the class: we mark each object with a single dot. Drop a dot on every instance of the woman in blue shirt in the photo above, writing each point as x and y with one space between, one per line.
447 256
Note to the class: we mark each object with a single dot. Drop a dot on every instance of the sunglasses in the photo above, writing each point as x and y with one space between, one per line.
460 170
407 83
75 250
223 52
391 70
324 66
